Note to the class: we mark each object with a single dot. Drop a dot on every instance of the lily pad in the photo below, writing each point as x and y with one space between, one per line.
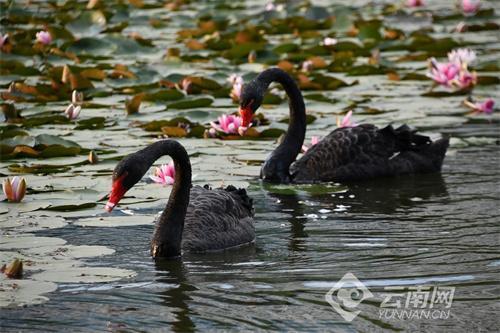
191 104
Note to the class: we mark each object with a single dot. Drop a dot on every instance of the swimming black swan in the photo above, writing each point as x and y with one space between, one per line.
196 219
346 154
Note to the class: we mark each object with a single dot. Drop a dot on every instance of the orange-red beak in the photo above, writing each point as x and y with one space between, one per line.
116 194
246 115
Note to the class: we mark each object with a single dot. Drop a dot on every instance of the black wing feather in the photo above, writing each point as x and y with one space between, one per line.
364 152
217 219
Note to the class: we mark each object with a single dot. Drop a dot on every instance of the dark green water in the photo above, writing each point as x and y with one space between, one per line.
426 230
87 271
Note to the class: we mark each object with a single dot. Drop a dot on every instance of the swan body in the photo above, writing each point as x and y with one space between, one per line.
196 219
366 152
217 219
346 154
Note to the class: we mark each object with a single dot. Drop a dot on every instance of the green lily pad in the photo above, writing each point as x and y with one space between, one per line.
91 123
163 95
49 140
272 133
91 46
191 104
88 24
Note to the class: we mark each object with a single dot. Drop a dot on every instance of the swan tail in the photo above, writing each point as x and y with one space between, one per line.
430 153
245 200
437 151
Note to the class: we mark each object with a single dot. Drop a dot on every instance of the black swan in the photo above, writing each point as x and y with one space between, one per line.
196 219
346 154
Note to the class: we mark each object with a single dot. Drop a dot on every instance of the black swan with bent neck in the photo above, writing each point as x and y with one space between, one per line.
196 219
346 154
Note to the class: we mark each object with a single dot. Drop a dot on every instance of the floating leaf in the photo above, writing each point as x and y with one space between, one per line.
271 99
488 80
38 168
191 104
174 132
309 119
88 24
92 47
91 123
71 207
369 29
59 150
164 95
49 140
272 133
366 70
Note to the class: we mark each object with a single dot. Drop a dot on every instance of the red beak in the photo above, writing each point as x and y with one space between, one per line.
116 194
246 115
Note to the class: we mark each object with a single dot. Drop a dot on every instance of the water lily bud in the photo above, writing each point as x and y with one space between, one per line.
93 159
77 97
3 39
237 82
66 74
12 88
328 41
186 85
307 66
72 111
14 189
14 270
252 56
43 37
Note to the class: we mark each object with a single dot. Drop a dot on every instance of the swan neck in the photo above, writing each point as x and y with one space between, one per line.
167 237
291 145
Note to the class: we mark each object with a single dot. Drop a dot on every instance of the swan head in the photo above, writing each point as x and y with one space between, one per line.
250 100
126 174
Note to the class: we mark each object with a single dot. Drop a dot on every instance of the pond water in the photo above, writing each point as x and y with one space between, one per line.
86 270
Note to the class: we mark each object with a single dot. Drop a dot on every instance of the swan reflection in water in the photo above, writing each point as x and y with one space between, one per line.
383 196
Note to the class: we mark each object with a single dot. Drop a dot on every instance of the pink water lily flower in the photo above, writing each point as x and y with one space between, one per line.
470 7
486 107
165 174
44 37
73 111
443 73
465 79
14 189
462 57
228 124
415 3
314 141
237 82
346 121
